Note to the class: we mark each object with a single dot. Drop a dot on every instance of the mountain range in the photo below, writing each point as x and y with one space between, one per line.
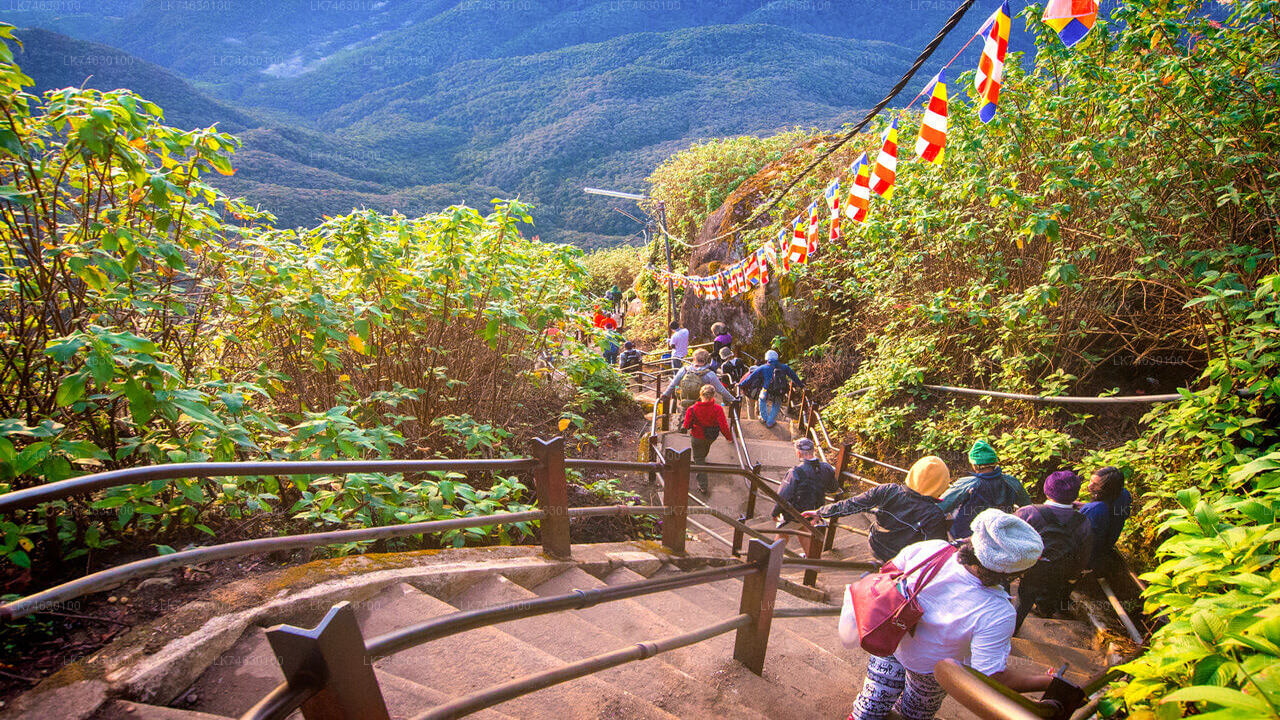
412 105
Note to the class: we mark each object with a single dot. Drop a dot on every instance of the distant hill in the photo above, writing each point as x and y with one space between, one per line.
397 103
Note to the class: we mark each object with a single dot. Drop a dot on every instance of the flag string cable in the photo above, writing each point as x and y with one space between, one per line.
862 124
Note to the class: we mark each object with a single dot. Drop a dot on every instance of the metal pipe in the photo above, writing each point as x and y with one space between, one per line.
148 473
829 564
281 702
804 612
859 478
112 577
1062 399
453 623
874 461
489 697
619 465
1129 627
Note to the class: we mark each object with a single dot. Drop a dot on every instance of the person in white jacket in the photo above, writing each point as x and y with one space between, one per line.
968 617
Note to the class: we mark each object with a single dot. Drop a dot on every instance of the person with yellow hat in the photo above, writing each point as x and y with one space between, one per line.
903 515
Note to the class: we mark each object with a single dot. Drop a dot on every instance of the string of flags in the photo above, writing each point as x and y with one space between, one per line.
1070 19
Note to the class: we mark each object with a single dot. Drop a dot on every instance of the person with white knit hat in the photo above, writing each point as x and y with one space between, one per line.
968 617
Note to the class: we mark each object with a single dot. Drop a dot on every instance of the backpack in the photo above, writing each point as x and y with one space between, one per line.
778 384
987 492
630 359
1059 537
692 382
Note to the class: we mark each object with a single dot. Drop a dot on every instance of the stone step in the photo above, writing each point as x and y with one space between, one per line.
123 710
566 637
794 666
711 662
490 656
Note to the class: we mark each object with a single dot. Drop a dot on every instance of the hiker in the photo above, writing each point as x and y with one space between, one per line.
731 367
721 339
988 487
689 381
631 359
610 345
1067 538
967 618
705 421
774 379
807 484
903 515
1106 513
614 296
679 344
749 387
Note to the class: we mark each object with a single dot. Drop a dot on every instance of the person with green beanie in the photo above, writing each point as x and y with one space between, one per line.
987 487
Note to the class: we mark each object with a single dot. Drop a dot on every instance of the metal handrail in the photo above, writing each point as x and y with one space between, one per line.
819 564
29 497
804 612
105 579
445 625
981 694
458 707
282 701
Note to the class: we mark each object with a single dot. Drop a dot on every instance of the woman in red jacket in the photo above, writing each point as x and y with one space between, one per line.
705 420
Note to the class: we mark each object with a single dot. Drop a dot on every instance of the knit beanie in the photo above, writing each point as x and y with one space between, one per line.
983 454
771 356
1062 486
1005 543
929 476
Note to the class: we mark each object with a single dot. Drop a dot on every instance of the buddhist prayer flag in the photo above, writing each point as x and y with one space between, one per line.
832 194
798 251
886 163
1071 19
933 126
815 221
752 269
768 259
990 76
855 206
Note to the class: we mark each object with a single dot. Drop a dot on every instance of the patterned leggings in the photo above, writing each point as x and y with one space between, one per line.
915 696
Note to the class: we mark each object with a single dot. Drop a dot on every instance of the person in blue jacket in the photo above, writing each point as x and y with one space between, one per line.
772 378
1110 508
987 487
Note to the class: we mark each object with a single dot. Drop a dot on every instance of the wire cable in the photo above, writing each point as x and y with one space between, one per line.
897 88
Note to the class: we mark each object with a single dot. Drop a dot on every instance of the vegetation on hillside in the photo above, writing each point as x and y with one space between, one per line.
1114 229
147 318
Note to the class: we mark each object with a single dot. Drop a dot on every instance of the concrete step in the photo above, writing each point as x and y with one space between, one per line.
711 662
123 710
788 666
490 657
568 638
238 678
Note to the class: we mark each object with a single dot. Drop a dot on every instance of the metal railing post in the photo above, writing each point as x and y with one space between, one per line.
842 464
330 655
813 551
675 498
553 496
759 591
666 413
749 513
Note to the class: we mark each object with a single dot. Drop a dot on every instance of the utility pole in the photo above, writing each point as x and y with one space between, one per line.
660 222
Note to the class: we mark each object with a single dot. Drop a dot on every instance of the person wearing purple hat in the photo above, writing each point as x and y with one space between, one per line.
1068 542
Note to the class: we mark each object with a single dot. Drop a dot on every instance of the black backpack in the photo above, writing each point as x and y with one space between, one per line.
779 384
1059 537
987 492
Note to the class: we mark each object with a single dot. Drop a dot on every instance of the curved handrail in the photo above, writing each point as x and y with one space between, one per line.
987 698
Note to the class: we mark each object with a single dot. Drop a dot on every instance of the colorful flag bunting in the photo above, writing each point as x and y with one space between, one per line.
768 256
832 194
886 163
814 223
859 200
990 74
1071 19
798 251
933 126
752 269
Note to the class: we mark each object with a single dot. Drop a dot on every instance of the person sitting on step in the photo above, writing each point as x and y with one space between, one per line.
988 487
807 484
903 514
705 421
689 381
1068 540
